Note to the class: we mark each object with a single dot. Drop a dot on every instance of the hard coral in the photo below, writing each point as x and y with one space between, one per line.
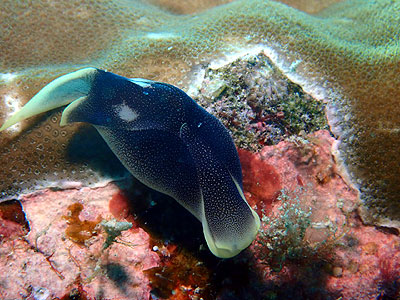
187 7
310 6
184 7
348 54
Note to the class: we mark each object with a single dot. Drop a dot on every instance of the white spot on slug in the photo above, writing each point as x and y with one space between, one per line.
126 113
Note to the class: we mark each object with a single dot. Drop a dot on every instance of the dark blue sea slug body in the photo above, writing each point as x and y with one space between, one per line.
165 140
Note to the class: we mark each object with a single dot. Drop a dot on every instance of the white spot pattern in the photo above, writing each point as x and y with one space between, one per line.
126 113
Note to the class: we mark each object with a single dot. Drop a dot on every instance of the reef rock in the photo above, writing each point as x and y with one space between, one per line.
346 55
312 244
64 253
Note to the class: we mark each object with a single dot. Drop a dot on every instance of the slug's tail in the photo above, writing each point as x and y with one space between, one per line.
59 92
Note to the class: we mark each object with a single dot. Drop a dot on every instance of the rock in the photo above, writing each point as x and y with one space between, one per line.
47 260
346 56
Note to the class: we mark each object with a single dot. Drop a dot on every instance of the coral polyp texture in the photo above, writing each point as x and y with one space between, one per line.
347 55
310 6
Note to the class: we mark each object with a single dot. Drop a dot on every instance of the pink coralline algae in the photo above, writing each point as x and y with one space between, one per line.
337 257
46 264
261 181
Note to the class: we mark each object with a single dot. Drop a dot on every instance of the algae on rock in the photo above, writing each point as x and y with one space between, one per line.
348 55
257 103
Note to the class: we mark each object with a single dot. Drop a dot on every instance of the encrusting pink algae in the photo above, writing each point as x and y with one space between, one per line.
346 55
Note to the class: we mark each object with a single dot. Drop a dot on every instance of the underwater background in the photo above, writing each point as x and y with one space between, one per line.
309 92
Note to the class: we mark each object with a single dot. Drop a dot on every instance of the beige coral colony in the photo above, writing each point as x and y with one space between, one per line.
346 54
